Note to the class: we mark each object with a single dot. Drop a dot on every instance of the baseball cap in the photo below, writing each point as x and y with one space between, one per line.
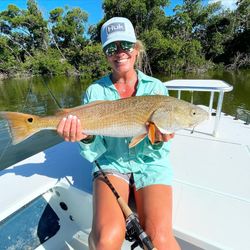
117 29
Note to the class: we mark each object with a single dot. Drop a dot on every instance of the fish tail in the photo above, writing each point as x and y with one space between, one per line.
21 125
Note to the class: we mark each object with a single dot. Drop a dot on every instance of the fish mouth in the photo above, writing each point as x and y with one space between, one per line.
193 126
192 131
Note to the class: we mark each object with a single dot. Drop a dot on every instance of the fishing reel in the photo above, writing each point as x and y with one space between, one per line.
131 232
134 233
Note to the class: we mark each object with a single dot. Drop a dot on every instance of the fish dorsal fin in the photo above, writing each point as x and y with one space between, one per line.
135 140
96 102
68 110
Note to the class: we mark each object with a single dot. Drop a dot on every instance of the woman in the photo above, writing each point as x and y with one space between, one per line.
146 165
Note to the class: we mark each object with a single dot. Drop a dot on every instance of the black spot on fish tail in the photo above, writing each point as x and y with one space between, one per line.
30 119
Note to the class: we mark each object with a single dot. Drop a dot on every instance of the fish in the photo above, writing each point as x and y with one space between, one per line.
136 117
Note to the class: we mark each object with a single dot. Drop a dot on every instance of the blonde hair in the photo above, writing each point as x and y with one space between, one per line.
142 62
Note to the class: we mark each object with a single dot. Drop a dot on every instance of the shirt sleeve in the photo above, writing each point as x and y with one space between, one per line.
92 151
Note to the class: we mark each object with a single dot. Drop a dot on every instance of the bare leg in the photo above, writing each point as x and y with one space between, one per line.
108 228
154 207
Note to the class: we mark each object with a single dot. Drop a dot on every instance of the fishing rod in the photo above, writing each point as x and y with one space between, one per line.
134 230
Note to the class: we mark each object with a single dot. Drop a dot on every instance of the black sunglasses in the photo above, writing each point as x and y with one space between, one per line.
112 48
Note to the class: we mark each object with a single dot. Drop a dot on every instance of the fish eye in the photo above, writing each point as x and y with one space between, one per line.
30 119
193 112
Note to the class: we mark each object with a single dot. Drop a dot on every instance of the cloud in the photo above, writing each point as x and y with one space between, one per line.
227 4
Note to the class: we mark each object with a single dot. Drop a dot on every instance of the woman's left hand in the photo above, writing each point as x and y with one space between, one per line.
162 137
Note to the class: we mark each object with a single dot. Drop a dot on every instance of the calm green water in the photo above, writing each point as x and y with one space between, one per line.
31 95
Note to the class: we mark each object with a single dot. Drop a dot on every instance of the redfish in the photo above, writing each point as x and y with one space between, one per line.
126 117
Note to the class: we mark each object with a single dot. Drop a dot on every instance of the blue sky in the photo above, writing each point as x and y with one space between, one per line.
92 7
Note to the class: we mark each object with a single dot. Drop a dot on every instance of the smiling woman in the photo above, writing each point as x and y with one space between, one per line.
145 168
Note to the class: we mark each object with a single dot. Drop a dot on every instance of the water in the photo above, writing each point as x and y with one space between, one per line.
31 95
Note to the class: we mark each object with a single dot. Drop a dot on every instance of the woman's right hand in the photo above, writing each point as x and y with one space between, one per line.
70 129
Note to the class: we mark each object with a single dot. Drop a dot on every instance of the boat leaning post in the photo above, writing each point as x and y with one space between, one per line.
218 112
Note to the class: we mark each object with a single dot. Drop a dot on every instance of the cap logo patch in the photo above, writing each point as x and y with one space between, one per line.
114 27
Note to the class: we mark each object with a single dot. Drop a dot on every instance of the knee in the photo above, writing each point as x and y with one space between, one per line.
163 242
108 237
163 238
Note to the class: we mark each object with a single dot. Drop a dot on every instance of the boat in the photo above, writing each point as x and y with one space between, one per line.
46 198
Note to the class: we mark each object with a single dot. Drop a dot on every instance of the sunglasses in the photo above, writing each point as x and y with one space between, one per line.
112 48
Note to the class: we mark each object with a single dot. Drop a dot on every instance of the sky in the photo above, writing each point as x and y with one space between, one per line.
92 7
231 4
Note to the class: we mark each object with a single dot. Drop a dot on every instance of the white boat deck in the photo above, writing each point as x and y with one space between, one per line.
212 173
211 186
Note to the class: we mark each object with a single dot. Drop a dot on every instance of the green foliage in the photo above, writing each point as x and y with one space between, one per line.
195 37
158 48
9 63
171 56
49 63
68 28
93 63
26 29
237 47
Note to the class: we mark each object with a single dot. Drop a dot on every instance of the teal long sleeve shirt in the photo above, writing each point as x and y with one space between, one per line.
114 153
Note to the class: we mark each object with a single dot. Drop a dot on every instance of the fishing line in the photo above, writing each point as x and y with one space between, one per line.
51 94
27 96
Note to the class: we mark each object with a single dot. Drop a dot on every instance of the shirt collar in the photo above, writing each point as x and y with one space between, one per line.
142 78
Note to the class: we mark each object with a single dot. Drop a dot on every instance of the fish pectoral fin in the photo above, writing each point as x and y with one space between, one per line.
152 128
135 140
151 132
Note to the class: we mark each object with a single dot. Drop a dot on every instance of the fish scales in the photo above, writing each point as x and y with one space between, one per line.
121 113
126 118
